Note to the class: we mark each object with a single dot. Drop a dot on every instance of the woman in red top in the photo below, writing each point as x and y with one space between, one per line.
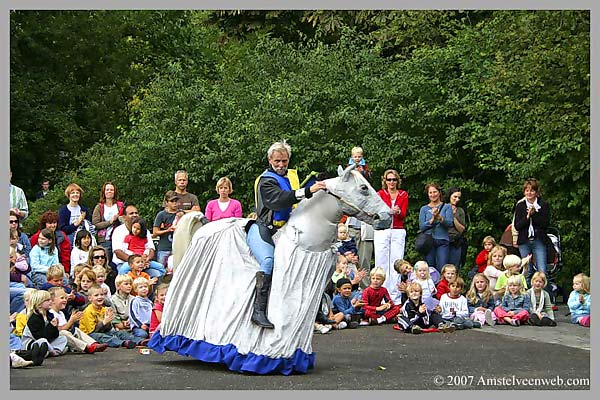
389 243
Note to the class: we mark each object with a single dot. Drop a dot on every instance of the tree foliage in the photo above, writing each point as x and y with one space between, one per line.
489 101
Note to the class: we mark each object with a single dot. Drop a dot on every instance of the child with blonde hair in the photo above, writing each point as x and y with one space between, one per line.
415 316
140 308
157 309
76 339
580 300
540 313
454 307
449 274
120 302
42 327
136 263
516 303
495 267
87 278
100 273
422 277
404 269
513 265
361 164
480 300
481 261
379 307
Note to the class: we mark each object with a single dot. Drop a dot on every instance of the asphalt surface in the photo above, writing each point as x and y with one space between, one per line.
374 357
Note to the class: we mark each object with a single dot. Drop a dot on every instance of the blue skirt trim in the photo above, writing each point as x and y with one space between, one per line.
228 354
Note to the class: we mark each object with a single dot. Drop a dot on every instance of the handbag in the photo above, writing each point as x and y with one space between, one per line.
423 241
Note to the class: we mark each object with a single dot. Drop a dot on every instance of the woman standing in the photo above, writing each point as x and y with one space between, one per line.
72 215
224 206
105 216
457 230
434 219
389 243
532 218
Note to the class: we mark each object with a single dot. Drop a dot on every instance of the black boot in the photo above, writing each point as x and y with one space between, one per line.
24 354
263 287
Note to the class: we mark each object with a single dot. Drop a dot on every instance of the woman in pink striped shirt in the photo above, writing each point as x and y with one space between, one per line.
224 206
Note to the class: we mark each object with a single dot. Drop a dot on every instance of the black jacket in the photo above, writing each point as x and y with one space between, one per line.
540 221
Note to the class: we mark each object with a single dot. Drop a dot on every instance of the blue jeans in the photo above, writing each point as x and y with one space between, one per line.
162 255
17 290
262 250
139 333
438 255
114 338
538 248
454 256
154 269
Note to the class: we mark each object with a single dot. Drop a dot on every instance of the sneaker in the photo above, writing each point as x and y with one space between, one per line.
100 347
352 325
341 325
534 320
324 329
364 323
38 353
489 317
129 344
447 328
476 324
416 329
515 322
547 321
143 343
90 348
19 362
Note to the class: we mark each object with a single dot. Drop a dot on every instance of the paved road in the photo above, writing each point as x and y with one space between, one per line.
375 357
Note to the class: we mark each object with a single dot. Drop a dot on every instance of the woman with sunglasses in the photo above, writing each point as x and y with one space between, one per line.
389 243
23 244
99 256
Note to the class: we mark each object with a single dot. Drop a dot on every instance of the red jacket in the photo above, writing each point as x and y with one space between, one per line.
441 288
372 298
482 260
401 201
62 244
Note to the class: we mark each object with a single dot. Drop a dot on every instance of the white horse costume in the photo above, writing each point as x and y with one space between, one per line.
210 300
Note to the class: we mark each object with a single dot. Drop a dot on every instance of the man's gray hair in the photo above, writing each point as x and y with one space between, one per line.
181 172
279 146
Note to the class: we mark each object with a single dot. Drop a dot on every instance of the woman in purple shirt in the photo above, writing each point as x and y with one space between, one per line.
224 206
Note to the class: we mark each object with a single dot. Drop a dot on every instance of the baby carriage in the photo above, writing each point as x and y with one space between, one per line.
554 262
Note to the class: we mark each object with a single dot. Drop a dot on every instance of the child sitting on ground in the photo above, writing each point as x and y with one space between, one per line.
495 268
100 273
96 321
121 301
136 263
76 339
516 303
448 276
42 327
481 301
157 309
454 308
346 303
403 268
580 300
513 266
540 313
140 309
415 316
379 307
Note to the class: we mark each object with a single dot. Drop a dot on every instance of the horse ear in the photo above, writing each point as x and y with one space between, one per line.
345 174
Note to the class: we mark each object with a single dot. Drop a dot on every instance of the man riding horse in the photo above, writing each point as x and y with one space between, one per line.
275 198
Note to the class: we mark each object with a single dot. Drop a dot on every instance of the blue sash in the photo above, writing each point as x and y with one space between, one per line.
280 217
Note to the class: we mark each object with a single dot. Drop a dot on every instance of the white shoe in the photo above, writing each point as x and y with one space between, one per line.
489 318
341 325
324 329
18 362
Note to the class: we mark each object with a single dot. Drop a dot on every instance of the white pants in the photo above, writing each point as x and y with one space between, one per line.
77 341
389 247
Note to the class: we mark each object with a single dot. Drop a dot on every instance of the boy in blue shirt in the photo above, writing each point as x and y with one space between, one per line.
347 303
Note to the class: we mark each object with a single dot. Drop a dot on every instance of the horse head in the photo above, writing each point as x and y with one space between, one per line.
358 198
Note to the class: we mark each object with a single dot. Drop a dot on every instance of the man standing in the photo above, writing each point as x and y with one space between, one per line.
45 189
18 202
275 198
152 268
187 202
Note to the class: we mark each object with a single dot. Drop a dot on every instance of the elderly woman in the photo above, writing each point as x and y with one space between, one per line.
72 215
49 220
389 243
457 230
532 218
22 243
105 216
434 219
224 206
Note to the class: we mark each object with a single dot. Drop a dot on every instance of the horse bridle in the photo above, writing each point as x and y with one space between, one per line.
349 204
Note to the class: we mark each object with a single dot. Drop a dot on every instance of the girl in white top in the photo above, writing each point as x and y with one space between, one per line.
81 248
495 266
423 278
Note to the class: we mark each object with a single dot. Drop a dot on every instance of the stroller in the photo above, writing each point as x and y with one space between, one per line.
554 262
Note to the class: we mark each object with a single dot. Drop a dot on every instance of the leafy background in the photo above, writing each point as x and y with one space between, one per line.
479 99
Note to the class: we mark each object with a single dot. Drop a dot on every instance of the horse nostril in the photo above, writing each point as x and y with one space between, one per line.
376 217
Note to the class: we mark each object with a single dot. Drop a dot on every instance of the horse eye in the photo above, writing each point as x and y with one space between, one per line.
364 188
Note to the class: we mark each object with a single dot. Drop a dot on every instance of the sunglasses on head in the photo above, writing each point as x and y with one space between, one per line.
98 257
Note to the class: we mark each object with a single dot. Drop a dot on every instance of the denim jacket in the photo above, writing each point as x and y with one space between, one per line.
516 304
